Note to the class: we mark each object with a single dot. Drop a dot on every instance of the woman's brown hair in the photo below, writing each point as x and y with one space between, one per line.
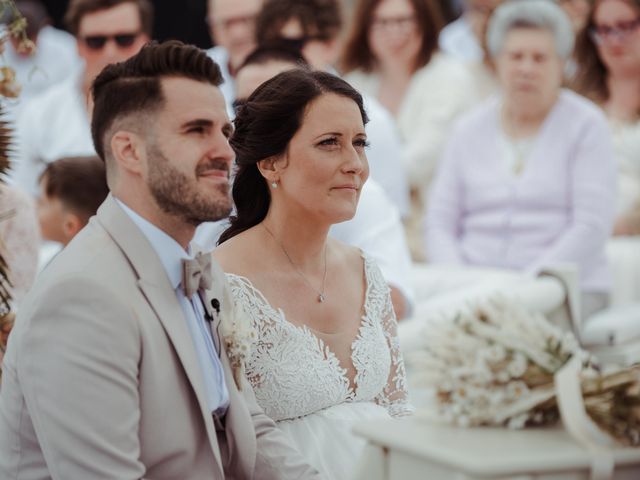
357 53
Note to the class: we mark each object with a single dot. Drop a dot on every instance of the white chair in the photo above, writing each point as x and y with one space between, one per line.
612 335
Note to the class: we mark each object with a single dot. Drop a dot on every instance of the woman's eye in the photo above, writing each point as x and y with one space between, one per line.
361 143
329 141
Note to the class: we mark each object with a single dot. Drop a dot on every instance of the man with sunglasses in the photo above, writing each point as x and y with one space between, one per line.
56 123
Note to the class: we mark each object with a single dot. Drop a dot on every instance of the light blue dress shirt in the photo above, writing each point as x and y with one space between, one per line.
171 255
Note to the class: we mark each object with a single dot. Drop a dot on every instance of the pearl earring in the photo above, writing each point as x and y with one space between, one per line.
274 184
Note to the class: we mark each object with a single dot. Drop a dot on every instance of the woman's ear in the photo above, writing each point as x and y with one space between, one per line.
270 168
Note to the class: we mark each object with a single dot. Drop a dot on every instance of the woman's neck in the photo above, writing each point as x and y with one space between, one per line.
303 240
624 97
519 122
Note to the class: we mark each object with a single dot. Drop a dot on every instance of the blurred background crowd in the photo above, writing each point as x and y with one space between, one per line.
508 140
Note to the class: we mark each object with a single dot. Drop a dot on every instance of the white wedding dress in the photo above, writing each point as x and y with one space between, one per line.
299 382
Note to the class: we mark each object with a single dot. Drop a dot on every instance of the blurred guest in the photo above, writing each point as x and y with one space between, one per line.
55 124
527 179
71 190
19 238
608 58
577 11
232 25
314 27
464 37
376 227
54 59
393 55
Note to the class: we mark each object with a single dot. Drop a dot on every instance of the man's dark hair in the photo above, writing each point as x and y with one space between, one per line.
80 183
79 8
278 51
133 87
319 19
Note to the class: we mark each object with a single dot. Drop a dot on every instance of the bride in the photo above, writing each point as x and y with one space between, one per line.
326 354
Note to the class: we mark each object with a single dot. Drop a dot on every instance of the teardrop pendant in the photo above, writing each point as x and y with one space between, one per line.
321 297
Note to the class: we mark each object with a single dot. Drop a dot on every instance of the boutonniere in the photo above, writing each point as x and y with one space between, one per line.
238 334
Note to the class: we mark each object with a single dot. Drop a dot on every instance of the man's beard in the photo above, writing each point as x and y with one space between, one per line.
177 195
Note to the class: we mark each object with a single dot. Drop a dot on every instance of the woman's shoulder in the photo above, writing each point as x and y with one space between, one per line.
575 106
239 254
365 82
443 68
345 254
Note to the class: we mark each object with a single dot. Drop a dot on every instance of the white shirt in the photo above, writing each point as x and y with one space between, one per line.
228 88
385 154
51 125
171 255
55 60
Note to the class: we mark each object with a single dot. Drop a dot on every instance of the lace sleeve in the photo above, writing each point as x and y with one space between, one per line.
394 396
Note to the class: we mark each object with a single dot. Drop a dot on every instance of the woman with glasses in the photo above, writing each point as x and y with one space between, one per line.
392 54
527 180
608 58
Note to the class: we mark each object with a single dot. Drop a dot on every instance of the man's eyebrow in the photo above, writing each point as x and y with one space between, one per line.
198 122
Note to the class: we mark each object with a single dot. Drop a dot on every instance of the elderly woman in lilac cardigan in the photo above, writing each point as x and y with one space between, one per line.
527 180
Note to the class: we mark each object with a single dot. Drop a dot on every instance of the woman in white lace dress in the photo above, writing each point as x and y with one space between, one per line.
326 354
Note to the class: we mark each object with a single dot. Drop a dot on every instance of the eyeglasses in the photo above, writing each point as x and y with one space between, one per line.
621 31
122 40
403 24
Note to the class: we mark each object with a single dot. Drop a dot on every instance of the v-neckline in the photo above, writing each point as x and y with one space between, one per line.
325 350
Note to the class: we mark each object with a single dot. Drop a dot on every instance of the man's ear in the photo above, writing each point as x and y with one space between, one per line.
71 225
128 151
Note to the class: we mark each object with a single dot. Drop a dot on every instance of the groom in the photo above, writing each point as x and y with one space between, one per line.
115 368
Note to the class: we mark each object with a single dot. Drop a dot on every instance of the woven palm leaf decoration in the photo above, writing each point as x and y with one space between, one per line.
15 27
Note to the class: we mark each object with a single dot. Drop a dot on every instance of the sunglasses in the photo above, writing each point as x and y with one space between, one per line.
122 40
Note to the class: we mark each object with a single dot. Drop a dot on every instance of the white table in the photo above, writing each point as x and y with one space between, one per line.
413 448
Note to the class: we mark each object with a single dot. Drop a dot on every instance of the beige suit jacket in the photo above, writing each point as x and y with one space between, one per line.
101 379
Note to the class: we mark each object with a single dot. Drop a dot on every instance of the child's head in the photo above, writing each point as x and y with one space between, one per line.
71 190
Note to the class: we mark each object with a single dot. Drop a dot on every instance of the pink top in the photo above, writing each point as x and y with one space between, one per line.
560 209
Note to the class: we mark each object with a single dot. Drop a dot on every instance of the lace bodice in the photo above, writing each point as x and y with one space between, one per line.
294 373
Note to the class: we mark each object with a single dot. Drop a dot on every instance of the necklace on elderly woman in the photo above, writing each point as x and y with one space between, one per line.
320 293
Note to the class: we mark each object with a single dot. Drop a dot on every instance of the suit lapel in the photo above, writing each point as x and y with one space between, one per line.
240 433
157 289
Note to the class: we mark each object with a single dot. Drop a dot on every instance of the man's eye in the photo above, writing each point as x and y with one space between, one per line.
196 130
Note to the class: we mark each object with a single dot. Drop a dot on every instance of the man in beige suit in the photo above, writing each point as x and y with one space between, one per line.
115 369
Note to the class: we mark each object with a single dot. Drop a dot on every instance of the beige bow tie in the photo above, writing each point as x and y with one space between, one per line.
196 273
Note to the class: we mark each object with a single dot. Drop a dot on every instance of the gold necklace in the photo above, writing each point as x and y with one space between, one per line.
320 293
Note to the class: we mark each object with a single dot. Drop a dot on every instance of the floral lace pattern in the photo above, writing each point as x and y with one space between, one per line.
294 373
